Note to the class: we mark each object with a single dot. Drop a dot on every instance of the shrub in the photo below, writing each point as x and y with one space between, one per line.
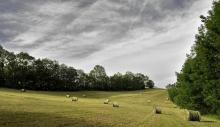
173 92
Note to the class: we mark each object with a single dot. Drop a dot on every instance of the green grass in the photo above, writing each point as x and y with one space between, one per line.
53 109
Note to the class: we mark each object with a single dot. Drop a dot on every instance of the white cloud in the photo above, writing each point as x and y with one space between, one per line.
145 36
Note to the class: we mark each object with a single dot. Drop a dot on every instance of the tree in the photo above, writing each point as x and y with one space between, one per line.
82 79
150 84
2 61
141 80
116 82
24 71
69 78
99 77
198 83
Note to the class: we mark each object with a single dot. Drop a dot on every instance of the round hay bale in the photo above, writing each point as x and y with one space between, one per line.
67 96
115 104
148 101
157 110
84 95
74 98
193 115
106 101
23 90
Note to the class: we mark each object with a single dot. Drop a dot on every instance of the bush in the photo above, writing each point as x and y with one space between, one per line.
172 91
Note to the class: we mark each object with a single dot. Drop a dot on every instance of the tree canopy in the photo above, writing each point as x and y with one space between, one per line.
22 71
198 83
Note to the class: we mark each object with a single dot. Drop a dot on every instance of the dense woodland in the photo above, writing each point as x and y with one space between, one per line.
24 71
198 83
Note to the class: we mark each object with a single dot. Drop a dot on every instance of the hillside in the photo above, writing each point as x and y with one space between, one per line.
53 109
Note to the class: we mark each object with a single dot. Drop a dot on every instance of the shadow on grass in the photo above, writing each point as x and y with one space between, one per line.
89 94
207 121
27 119
167 114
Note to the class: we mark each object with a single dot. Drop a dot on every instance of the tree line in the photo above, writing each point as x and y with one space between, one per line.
22 71
198 83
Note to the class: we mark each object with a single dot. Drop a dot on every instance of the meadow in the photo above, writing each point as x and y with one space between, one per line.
54 109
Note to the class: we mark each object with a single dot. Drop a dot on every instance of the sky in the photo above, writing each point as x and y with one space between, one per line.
147 36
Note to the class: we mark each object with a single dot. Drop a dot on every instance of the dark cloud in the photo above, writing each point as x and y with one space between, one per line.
112 32
176 4
86 3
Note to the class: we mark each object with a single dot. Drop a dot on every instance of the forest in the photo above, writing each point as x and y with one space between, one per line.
198 83
22 71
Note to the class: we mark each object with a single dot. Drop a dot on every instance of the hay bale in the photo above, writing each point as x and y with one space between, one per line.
148 101
115 104
157 110
84 95
74 98
23 90
168 99
106 101
67 96
193 115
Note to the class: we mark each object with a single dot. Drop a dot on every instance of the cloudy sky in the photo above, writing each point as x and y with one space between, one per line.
147 36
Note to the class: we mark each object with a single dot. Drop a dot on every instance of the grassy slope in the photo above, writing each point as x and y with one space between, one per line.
53 109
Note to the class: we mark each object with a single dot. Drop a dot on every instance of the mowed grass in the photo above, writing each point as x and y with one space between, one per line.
53 109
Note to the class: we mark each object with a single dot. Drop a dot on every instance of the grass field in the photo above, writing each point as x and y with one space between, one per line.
53 109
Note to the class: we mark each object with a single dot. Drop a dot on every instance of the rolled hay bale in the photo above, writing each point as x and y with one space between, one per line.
23 90
193 115
148 101
168 99
115 104
74 98
67 96
157 110
84 95
106 101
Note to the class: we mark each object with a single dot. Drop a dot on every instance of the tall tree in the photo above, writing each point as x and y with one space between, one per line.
198 83
24 71
150 84
99 77
2 64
